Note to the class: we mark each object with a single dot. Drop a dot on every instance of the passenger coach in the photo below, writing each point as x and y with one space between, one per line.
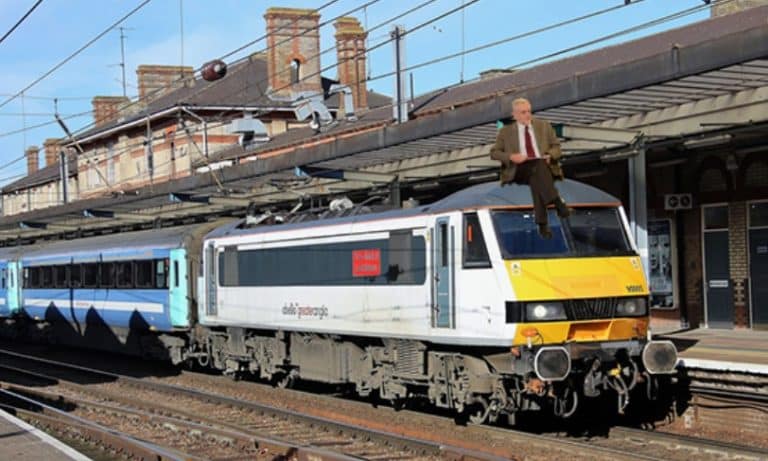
128 292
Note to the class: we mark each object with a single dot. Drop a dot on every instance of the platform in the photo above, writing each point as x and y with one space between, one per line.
743 351
24 442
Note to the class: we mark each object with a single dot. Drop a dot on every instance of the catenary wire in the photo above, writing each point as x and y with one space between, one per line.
18 23
170 84
78 51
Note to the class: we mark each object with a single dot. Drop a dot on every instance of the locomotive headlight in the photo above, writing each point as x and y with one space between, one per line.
631 307
544 311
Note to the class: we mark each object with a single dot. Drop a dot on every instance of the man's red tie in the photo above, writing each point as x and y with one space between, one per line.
529 150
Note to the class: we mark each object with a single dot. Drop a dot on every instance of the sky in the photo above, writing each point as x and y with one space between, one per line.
211 29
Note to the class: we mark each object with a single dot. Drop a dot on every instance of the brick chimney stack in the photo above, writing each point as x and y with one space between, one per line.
33 160
293 61
156 81
52 146
350 54
107 108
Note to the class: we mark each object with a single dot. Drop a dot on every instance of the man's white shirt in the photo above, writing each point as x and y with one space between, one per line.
521 139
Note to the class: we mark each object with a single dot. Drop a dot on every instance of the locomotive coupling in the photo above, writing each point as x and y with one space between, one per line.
660 357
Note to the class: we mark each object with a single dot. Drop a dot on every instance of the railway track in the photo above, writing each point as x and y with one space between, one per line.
190 411
176 417
748 386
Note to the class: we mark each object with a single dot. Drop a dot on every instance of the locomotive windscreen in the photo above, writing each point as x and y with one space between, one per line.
589 232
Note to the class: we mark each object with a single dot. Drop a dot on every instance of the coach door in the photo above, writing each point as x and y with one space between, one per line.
178 288
758 264
210 280
4 289
717 285
443 275
14 286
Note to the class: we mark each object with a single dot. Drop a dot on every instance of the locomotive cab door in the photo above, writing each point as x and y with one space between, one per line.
443 293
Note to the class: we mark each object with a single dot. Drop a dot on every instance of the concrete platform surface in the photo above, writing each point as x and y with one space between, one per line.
20 441
729 350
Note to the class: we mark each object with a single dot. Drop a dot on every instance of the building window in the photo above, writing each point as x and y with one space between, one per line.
713 180
111 163
758 214
716 217
295 71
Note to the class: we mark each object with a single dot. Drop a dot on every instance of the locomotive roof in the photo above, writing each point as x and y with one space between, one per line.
171 237
487 195
493 194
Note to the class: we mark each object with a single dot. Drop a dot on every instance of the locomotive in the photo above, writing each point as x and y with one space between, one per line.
459 302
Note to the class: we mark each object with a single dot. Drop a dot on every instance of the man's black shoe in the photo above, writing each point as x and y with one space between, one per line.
545 231
562 209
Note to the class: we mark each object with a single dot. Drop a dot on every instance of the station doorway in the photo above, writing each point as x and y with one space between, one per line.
718 296
758 264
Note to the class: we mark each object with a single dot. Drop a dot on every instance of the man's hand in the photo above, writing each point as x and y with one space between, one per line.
518 158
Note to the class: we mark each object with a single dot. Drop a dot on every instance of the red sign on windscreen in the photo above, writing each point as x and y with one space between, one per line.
366 263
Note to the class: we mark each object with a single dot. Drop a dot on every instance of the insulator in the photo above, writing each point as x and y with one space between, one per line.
214 70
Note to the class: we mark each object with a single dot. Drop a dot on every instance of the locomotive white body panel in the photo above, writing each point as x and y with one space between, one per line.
475 313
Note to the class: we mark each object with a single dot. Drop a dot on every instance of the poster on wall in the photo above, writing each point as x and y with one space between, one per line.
660 262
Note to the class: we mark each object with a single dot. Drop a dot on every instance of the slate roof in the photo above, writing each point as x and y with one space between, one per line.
44 175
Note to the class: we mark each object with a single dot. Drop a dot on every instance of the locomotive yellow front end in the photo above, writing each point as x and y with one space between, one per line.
580 306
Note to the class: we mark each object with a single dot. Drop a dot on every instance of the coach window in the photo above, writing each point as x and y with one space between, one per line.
46 277
2 279
90 275
161 273
75 275
144 273
31 277
60 276
176 273
107 275
124 274
475 253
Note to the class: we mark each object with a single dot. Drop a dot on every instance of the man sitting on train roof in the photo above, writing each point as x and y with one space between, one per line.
529 151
